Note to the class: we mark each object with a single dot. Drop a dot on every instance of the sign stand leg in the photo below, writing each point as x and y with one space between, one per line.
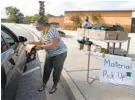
88 71
88 67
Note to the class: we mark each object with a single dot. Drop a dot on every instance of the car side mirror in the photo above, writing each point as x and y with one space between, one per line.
22 39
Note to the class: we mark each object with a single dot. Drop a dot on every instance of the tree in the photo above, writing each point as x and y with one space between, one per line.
11 20
42 9
35 17
46 18
20 18
76 20
14 15
32 19
49 15
96 18
27 19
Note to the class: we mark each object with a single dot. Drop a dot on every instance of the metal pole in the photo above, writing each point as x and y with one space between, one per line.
108 45
88 64
84 34
128 45
113 48
120 44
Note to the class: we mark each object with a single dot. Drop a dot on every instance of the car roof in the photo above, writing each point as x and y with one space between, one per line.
11 32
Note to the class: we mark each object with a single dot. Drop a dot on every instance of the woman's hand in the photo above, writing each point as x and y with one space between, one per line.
46 42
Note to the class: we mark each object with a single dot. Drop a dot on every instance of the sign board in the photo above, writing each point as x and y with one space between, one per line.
117 70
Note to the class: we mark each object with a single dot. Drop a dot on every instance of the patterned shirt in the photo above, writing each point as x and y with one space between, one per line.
86 24
61 47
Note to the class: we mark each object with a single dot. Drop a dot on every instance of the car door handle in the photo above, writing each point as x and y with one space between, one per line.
11 60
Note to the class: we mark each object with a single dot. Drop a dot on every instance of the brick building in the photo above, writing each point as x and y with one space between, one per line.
57 19
121 17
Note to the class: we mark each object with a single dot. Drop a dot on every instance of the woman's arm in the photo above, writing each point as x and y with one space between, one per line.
39 42
50 45
36 42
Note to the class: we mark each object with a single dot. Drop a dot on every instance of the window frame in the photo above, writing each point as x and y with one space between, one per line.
10 33
5 44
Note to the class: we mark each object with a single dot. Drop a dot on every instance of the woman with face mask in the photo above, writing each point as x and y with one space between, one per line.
56 53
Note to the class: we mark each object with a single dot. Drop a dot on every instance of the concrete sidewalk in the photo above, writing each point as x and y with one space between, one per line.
75 70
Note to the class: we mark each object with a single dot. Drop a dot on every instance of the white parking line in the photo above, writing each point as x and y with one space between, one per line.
30 71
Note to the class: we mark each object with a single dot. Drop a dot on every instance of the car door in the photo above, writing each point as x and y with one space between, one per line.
8 68
13 62
4 49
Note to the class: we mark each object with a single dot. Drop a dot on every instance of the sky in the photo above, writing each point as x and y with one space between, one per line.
57 7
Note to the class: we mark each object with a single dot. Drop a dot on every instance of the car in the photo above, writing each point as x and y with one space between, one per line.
13 62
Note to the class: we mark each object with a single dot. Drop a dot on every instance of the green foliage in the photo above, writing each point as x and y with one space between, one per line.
46 18
96 18
76 20
49 15
11 20
35 17
12 11
27 19
32 19
14 15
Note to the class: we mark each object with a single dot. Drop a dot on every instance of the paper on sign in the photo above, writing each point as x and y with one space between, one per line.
117 70
29 47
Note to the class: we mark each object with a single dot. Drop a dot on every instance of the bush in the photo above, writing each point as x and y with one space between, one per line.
69 27
76 20
96 18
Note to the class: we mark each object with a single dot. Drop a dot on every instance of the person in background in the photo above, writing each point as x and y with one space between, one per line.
86 23
56 53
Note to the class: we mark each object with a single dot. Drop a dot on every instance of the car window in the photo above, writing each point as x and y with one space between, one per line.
4 46
9 39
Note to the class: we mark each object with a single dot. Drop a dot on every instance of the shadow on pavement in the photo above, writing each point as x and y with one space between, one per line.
68 36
